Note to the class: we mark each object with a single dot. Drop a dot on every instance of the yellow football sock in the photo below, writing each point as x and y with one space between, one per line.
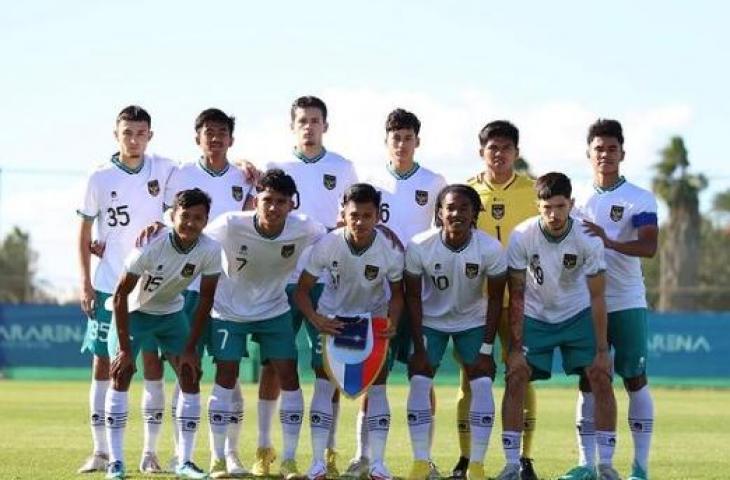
530 420
462 415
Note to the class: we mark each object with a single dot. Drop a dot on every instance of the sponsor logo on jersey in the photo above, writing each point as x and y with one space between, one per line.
159 267
570 260
329 181
287 250
617 213
497 211
534 262
243 250
437 267
114 195
471 270
153 186
371 272
237 192
421 197
188 270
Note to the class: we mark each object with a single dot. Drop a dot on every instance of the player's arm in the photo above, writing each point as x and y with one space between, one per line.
124 358
208 284
596 289
419 359
644 246
495 292
303 301
516 281
87 290
395 307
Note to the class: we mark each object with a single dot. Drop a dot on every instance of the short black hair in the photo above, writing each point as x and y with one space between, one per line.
134 113
400 119
499 128
553 184
605 127
191 198
361 193
309 101
276 180
214 115
461 189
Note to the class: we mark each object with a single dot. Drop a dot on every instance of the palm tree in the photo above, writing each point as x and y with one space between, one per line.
680 190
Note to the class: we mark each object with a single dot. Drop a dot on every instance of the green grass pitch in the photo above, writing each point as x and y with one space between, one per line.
44 432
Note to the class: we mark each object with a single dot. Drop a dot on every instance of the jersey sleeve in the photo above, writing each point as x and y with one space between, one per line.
218 228
496 260
316 231
212 267
595 262
89 209
646 212
395 271
516 253
136 261
414 266
172 187
317 260
350 175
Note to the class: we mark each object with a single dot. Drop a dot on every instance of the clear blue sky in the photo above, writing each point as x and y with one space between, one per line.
552 67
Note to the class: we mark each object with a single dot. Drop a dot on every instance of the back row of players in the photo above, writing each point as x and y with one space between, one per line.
267 286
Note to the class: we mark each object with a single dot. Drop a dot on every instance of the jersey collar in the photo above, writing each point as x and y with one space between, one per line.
553 239
178 247
116 160
461 248
499 186
621 180
261 232
354 250
210 171
307 159
406 175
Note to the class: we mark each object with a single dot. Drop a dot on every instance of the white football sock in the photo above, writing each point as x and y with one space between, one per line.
361 436
97 397
606 446
419 416
188 419
235 420
332 438
290 415
153 408
378 419
641 423
586 429
511 444
173 414
481 417
115 411
320 417
219 405
266 409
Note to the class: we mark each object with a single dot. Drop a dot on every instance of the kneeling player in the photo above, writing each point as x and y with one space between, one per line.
451 265
556 287
166 266
361 264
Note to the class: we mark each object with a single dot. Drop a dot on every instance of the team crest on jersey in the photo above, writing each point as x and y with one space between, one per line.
329 181
497 211
287 250
153 186
188 270
570 260
371 272
471 270
617 212
421 197
237 192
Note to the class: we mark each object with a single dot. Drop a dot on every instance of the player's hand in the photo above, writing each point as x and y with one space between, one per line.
148 233
329 326
390 235
88 300
595 230
418 364
97 248
390 331
121 363
516 362
190 365
485 363
602 363
249 170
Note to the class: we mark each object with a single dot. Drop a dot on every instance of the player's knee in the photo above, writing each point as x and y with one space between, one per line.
584 384
101 368
226 374
189 381
122 379
153 368
635 384
600 383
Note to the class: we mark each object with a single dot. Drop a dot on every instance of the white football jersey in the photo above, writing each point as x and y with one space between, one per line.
123 202
257 268
621 210
556 285
166 269
407 201
355 282
227 189
453 297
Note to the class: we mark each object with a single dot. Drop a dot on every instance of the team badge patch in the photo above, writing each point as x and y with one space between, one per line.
329 181
617 213
114 195
287 250
471 270
534 262
237 192
353 370
497 211
188 270
421 197
153 186
371 272
570 260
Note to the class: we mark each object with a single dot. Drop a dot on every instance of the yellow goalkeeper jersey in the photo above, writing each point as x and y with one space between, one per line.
505 205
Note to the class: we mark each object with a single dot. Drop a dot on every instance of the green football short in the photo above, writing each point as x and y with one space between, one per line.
575 338
401 344
466 344
97 328
628 335
298 319
191 304
169 332
275 337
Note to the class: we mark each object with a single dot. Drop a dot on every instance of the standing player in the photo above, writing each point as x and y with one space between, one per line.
165 266
624 217
321 177
452 264
508 198
361 265
122 197
229 191
408 198
260 250
556 284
